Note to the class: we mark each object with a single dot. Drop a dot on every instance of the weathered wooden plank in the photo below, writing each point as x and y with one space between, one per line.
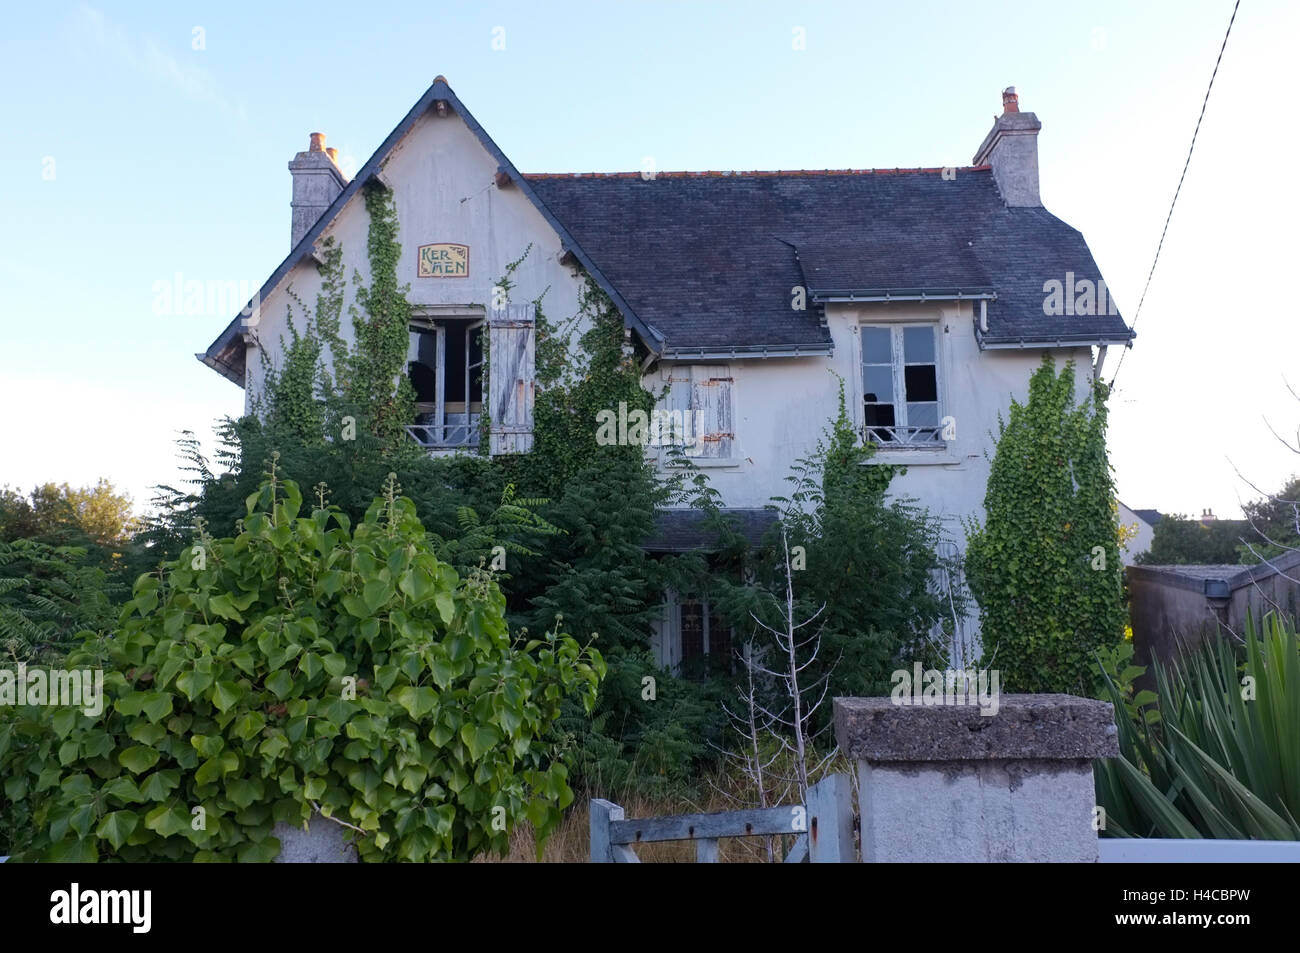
711 397
599 816
706 851
624 855
752 823
512 375
830 821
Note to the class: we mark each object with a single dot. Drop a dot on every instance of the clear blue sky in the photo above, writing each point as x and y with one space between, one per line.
129 155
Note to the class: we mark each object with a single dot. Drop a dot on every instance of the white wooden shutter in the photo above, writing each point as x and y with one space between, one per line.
711 394
512 377
674 409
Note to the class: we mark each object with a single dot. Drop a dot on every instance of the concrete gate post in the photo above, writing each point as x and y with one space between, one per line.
947 783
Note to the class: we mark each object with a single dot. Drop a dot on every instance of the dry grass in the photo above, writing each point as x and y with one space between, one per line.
570 843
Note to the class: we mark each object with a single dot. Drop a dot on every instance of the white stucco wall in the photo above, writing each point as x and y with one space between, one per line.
782 406
444 191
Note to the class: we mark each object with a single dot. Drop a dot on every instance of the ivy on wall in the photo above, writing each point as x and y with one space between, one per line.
1045 566
321 375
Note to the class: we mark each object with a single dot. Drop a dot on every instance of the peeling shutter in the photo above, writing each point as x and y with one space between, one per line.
678 399
711 388
511 378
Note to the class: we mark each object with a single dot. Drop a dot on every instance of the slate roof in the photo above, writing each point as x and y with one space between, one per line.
706 261
680 531
709 259
1150 517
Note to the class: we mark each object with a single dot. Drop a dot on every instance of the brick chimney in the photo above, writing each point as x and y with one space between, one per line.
1011 148
317 182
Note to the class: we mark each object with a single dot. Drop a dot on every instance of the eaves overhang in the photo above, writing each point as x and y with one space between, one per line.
871 295
747 352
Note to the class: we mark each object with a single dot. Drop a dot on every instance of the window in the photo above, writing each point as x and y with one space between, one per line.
445 366
694 641
900 385
696 412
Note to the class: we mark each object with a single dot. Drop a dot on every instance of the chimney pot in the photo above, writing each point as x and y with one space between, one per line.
1011 149
317 182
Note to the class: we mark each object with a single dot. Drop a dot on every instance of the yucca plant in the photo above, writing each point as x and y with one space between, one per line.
1223 758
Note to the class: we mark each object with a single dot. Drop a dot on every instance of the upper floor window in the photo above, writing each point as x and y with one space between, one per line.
696 413
445 364
900 385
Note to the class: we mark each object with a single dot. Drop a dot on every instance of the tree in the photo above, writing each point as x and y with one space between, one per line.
1183 540
1273 524
48 594
63 515
862 564
1044 566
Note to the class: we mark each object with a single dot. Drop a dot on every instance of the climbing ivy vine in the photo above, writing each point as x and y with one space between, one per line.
1044 566
321 377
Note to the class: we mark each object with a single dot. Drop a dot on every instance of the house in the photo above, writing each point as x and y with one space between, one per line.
1143 524
932 293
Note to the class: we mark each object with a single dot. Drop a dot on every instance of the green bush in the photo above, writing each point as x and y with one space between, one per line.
301 666
1045 566
1222 759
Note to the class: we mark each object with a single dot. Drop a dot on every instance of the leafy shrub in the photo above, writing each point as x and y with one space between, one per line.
1045 566
1221 759
1119 671
301 666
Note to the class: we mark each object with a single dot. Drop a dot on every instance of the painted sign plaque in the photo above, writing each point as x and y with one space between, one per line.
443 260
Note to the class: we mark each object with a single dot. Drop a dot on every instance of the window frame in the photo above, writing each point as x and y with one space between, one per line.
898 398
438 433
670 643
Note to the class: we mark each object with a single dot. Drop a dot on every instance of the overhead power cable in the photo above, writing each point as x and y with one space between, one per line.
1190 149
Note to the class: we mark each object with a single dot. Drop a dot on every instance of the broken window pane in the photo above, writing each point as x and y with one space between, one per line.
922 383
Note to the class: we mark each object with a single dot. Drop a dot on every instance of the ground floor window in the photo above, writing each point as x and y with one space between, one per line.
693 640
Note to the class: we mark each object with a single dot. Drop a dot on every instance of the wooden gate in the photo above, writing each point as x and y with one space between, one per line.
824 827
